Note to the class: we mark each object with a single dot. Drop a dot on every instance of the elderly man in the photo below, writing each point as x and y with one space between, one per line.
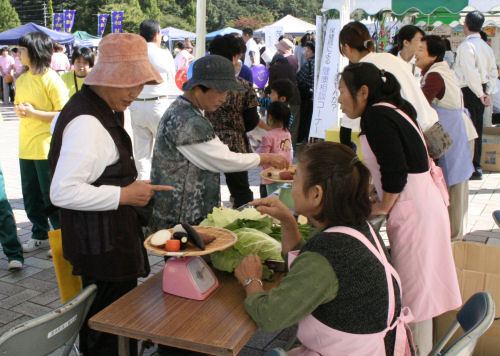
94 180
476 71
147 109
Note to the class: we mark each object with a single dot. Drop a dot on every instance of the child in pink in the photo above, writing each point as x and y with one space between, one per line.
278 139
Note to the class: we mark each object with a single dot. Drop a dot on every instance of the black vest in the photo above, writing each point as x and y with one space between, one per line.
102 245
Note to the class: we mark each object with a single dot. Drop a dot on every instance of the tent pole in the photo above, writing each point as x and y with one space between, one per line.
201 9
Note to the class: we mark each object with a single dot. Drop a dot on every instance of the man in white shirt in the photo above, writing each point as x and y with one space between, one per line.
148 108
476 71
252 56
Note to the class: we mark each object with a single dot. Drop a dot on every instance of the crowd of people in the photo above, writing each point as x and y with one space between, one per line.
81 171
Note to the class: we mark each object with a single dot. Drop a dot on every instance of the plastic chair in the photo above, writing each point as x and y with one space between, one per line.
46 333
496 217
475 317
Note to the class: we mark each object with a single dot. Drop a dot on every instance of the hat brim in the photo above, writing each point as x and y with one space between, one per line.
217 84
123 74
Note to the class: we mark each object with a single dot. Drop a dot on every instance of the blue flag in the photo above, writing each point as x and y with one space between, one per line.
69 19
116 21
57 22
102 21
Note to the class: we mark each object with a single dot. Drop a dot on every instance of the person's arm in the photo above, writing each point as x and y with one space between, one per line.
251 118
87 149
384 207
27 110
466 59
215 156
433 87
265 146
310 282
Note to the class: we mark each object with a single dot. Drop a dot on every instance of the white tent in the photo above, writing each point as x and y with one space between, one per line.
291 25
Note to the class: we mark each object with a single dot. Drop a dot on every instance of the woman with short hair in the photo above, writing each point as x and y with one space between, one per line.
82 60
440 87
40 95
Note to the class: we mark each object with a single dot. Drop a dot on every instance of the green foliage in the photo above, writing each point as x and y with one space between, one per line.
189 13
150 9
50 11
8 16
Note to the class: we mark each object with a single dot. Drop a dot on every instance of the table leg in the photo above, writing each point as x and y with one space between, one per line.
123 346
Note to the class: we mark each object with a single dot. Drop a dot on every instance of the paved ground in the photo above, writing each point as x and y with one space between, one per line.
34 291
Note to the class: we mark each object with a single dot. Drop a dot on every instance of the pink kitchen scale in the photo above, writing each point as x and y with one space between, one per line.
186 274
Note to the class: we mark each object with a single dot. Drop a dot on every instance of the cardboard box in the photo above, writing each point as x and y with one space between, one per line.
478 269
490 157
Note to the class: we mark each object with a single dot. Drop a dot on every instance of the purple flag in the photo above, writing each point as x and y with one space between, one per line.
116 21
69 19
57 22
102 21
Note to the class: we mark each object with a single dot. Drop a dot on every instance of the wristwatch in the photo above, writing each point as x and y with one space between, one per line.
250 280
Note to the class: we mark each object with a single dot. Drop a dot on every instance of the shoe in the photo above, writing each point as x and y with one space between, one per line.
496 217
476 176
32 245
15 265
49 253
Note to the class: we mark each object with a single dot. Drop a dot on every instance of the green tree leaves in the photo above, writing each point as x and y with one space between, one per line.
8 16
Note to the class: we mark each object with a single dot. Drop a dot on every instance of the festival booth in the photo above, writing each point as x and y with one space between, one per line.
171 34
289 24
11 37
326 115
85 39
326 118
224 31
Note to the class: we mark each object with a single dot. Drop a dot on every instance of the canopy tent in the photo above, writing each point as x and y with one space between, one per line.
176 34
291 25
224 31
85 39
11 37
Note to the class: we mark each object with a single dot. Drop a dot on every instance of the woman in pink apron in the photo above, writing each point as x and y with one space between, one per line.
411 190
341 288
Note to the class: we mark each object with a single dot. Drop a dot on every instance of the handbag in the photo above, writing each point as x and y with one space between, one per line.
438 140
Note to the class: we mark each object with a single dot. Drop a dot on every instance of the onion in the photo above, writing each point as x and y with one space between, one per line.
160 238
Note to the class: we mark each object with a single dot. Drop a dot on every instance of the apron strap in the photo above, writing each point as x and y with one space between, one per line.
379 253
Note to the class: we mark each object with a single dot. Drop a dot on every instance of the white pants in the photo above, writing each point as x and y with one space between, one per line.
145 117
422 336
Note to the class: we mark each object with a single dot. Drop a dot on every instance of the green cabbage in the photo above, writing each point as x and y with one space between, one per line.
221 217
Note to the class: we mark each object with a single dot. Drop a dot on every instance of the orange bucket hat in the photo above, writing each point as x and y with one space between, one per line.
123 63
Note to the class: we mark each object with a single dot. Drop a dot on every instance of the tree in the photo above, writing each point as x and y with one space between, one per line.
8 16
50 11
151 10
189 13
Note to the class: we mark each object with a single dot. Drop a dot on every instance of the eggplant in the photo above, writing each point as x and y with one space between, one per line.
182 237
194 236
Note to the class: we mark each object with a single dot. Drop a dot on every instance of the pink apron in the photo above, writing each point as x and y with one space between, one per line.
319 339
419 233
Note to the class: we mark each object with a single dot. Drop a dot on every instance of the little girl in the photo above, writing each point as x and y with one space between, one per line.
278 139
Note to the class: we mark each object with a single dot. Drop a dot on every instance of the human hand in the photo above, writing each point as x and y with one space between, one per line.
273 207
140 192
486 100
275 160
29 109
249 267
378 209
20 110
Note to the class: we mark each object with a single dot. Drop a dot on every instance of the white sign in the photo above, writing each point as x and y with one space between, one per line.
272 35
325 113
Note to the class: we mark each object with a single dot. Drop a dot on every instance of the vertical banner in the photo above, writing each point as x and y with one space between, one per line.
272 34
58 22
69 19
102 21
325 110
116 21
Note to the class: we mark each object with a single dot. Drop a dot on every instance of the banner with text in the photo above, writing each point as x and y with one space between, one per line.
272 34
58 22
325 109
69 20
116 22
102 21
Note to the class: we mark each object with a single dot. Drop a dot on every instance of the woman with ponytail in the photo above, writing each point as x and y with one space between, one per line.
417 226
